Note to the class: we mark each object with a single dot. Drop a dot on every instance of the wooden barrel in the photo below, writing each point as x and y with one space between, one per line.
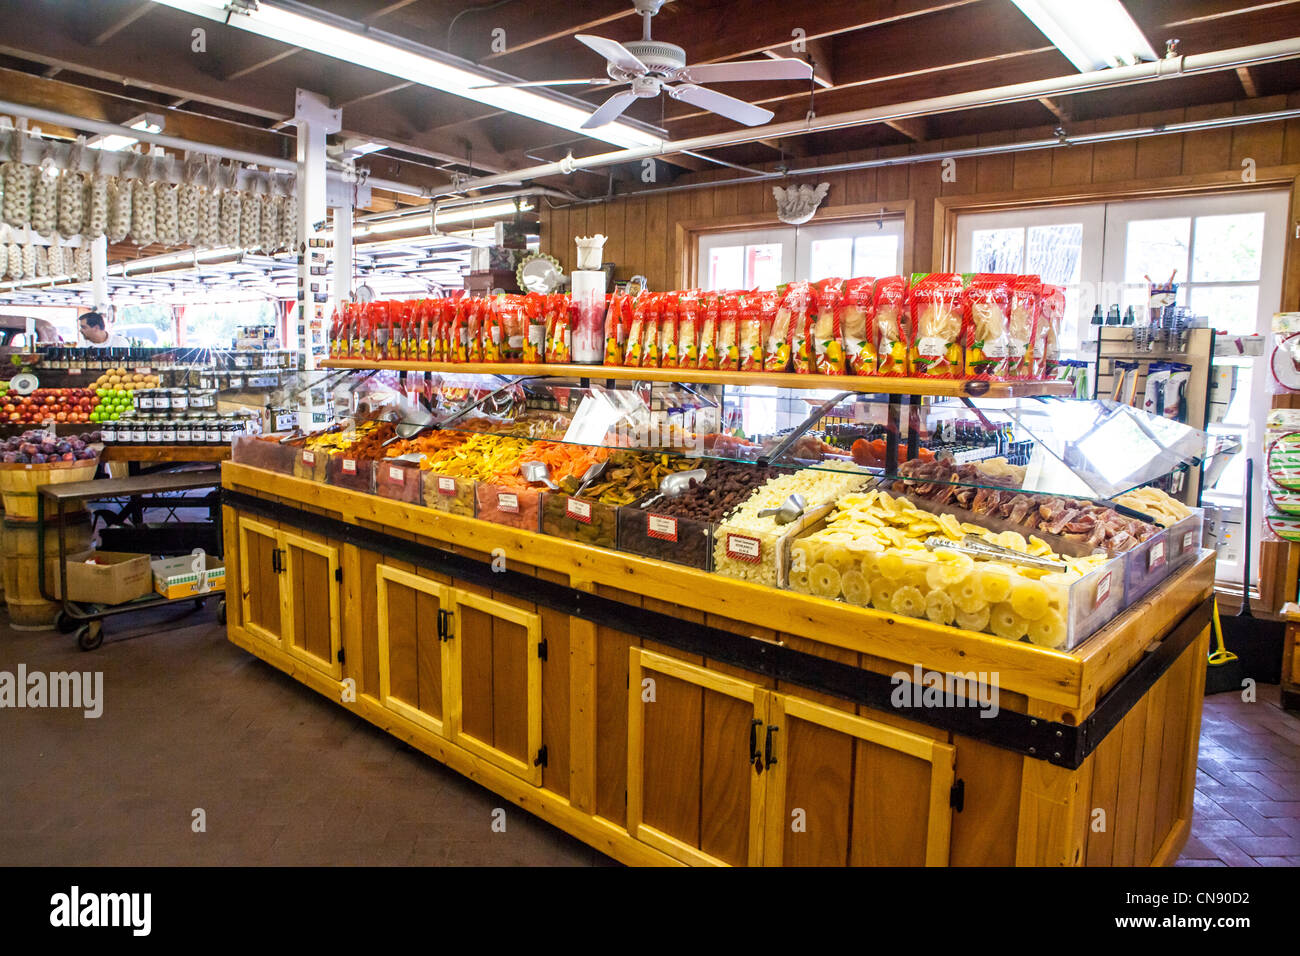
18 542
18 482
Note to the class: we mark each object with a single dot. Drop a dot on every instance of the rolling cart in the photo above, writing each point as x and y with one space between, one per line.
86 618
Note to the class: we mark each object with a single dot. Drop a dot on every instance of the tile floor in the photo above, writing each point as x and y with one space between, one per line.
284 777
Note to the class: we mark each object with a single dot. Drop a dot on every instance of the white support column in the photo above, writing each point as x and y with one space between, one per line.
315 121
342 289
99 273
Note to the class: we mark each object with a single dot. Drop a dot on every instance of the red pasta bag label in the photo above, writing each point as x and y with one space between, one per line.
559 326
1052 317
828 328
688 329
988 320
615 329
669 306
633 344
708 340
938 317
893 327
650 336
534 344
857 322
728 344
1026 298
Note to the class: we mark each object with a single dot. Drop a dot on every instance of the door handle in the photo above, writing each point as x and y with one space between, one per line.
767 746
444 625
276 567
754 757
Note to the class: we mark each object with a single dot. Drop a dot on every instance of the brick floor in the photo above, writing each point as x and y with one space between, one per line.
284 777
1247 809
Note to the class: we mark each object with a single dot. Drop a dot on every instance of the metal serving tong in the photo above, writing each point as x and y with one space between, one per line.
976 547
787 511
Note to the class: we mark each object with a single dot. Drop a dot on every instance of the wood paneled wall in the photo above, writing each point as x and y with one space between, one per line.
642 230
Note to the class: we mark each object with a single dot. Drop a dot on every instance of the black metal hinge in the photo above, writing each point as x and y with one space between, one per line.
541 757
957 795
338 574
541 649
340 655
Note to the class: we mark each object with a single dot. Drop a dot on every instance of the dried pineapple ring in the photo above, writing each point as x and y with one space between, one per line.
934 576
967 595
824 581
802 558
1029 599
891 565
840 558
939 607
1005 622
956 566
1013 540
976 620
994 583
882 595
1048 631
799 581
854 586
909 601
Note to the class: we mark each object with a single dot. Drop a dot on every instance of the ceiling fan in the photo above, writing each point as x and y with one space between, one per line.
650 67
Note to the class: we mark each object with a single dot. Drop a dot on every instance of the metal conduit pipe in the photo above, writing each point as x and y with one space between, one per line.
1015 93
413 212
1082 139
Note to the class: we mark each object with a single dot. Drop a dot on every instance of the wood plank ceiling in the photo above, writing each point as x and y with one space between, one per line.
111 59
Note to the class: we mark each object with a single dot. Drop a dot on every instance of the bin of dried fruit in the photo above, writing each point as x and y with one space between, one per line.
449 493
680 529
263 451
399 480
510 502
309 463
871 551
346 470
753 547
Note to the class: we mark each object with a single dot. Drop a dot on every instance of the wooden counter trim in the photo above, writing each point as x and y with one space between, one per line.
1054 677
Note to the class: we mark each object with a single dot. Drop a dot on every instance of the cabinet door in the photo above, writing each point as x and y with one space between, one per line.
495 681
694 788
412 653
259 580
844 790
311 603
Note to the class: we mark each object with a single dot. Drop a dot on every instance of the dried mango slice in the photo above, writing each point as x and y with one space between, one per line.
974 620
994 583
1029 599
854 586
824 581
909 601
1049 630
1005 622
939 607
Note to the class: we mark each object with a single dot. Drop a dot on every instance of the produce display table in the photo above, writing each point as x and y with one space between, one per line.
145 459
668 715
61 497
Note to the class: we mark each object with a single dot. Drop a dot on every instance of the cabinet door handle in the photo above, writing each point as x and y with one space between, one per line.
275 561
754 757
444 625
767 746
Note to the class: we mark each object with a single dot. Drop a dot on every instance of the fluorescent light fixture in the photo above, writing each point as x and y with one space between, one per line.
362 148
1091 34
146 122
464 214
315 33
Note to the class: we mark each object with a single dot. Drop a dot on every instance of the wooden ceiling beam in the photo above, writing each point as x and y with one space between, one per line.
1055 108
561 34
122 22
1247 81
916 129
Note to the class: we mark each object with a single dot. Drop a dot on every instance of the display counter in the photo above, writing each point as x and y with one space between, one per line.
666 714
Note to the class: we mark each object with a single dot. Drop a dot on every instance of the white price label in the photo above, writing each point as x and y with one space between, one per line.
578 510
309 458
1103 591
349 466
1187 540
1156 556
509 503
447 486
397 473
744 548
661 527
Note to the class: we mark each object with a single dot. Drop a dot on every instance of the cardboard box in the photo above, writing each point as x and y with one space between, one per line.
118 578
176 578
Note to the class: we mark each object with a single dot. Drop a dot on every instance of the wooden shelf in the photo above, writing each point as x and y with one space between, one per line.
875 385
176 453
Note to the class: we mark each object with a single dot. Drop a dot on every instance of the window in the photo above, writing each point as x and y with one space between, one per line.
1224 252
765 258
215 326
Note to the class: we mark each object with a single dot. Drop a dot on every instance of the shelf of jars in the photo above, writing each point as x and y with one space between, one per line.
994 533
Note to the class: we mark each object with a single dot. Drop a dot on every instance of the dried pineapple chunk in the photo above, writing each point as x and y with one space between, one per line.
966 595
1029 599
1048 631
854 586
824 581
1005 622
994 583
909 601
939 607
973 620
891 566
882 595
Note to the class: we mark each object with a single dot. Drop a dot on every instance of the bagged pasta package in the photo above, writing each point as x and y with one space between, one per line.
988 319
534 344
828 328
728 338
688 329
632 344
650 331
1053 314
938 321
1026 295
614 329
474 330
438 330
893 327
559 324
669 306
336 326
708 345
787 323
857 320
458 332
490 329
749 328
424 331
364 343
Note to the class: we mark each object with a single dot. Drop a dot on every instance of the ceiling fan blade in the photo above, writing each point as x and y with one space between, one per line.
783 69
610 110
721 103
597 81
615 52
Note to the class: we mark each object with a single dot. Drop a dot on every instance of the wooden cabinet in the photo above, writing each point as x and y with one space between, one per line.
289 593
722 771
463 666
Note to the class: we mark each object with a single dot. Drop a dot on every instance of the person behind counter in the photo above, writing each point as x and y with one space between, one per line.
93 332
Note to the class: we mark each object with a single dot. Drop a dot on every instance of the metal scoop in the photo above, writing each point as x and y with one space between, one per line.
537 472
787 511
976 547
670 486
592 474
407 429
